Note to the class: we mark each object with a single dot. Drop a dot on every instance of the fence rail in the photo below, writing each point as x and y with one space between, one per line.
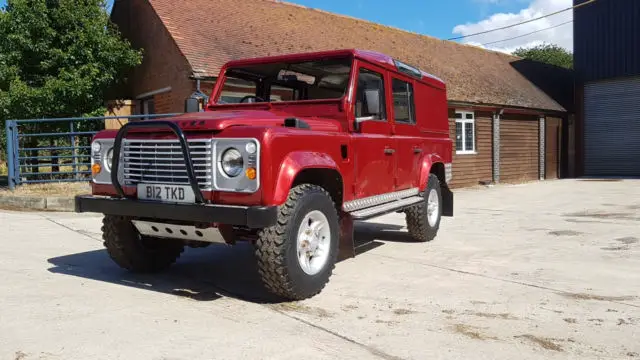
39 151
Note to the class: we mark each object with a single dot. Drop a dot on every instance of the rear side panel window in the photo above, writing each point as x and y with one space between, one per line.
403 102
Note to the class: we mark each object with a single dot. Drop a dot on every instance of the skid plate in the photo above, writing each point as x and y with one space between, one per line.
182 232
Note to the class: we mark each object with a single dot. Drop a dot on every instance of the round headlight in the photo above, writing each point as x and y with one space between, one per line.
108 159
95 147
232 162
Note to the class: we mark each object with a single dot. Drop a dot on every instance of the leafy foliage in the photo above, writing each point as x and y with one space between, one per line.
59 58
547 53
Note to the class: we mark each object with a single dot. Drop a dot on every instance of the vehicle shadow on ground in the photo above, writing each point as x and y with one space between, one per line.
205 274
372 232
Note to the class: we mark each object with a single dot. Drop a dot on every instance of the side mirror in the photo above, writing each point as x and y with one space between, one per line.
191 105
373 101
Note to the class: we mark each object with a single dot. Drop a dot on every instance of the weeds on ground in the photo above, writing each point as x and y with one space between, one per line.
4 170
50 189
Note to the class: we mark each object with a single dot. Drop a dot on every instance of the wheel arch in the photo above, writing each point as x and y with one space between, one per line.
312 168
327 178
431 164
438 170
434 164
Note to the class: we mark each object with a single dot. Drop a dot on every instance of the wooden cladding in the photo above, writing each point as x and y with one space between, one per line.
519 143
553 147
519 150
473 169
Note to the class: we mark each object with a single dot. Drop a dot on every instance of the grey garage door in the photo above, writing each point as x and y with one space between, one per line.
612 128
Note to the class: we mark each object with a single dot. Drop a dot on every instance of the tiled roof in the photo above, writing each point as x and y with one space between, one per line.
212 32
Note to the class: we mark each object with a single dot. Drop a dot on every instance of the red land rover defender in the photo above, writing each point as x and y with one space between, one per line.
288 153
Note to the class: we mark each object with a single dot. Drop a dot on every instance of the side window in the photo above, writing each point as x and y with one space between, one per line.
235 89
403 102
465 132
370 100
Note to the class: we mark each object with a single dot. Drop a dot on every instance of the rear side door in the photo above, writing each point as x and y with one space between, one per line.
407 138
374 151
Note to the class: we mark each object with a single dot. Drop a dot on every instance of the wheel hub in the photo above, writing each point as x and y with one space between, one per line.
433 208
314 241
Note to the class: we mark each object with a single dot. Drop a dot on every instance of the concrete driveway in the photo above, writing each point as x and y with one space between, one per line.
545 270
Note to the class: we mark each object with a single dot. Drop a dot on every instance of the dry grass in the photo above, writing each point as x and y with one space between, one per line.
49 189
471 332
61 168
545 343
582 296
503 316
302 309
4 170
403 312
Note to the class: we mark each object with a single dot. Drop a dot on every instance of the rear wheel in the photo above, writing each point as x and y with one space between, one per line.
296 257
423 220
135 252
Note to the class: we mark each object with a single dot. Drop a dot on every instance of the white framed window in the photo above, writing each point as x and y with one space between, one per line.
465 132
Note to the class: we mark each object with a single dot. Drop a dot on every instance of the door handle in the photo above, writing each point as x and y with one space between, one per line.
417 150
389 151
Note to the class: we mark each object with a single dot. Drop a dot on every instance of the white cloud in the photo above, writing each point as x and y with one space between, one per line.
562 36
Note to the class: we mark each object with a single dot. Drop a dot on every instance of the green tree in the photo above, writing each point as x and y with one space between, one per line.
547 53
59 58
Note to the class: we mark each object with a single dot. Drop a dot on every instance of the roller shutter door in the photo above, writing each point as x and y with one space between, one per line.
519 155
612 128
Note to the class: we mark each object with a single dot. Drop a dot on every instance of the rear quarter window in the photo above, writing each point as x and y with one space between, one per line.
403 102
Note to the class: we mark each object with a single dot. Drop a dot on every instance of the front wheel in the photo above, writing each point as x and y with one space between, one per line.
296 257
423 220
135 252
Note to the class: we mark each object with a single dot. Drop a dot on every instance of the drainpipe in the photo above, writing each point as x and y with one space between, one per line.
496 145
542 147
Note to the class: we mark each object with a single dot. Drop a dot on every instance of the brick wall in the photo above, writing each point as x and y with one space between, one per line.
165 103
163 64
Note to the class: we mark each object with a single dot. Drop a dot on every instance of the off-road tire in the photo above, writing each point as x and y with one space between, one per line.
127 248
416 216
276 248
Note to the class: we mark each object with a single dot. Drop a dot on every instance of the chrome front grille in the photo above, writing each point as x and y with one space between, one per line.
162 162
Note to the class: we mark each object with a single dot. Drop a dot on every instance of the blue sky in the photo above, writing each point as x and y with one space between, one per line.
448 18
432 17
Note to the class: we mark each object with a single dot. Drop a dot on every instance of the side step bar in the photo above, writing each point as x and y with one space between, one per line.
395 205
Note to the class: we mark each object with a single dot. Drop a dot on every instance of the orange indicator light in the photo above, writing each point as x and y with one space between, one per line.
95 169
251 173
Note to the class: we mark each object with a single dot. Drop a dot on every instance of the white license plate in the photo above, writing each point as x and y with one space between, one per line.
166 193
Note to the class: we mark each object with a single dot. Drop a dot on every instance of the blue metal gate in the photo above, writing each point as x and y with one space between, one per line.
39 152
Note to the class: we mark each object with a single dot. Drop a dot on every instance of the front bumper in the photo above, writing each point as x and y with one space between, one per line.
250 216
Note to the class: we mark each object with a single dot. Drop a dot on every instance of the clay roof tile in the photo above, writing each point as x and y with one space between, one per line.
211 32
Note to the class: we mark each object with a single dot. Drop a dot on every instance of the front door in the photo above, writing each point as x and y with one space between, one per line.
375 154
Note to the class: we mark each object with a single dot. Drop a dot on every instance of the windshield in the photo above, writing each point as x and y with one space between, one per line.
284 81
